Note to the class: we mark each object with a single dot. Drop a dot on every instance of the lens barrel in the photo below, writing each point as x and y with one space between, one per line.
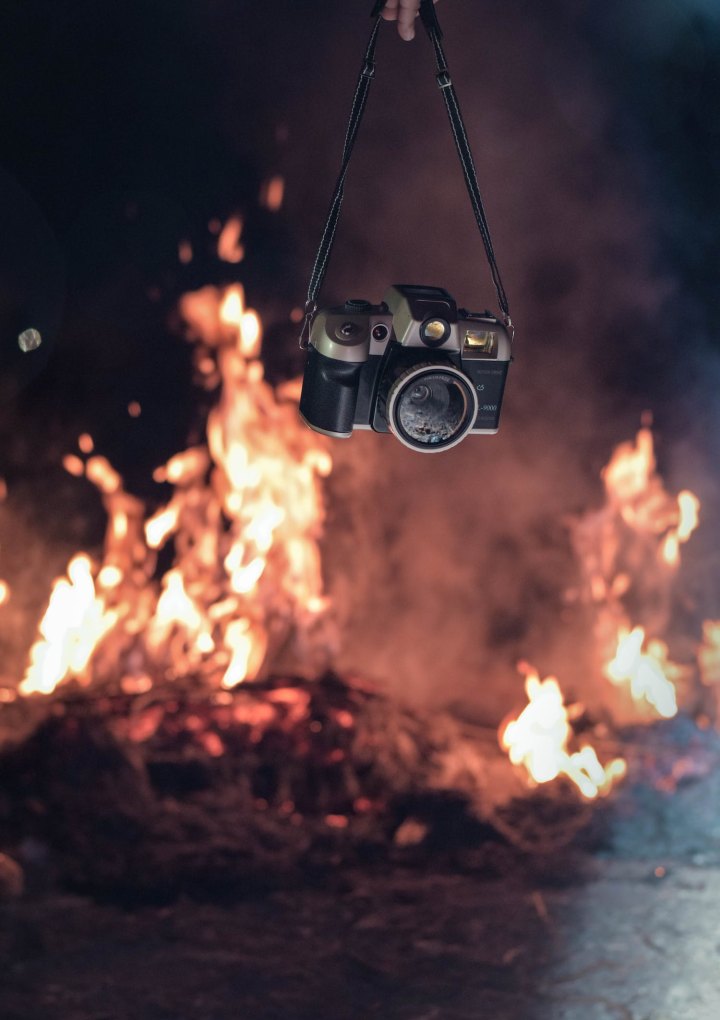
431 407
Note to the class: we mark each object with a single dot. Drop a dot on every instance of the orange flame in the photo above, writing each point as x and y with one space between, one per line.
709 653
74 623
630 553
635 490
538 739
244 519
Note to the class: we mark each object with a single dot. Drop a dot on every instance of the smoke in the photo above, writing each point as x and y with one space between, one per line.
447 569
444 570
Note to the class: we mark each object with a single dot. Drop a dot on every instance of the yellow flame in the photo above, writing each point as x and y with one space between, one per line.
4 592
248 648
245 516
538 740
649 672
74 623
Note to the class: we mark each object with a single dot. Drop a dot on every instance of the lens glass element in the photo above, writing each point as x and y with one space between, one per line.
434 332
435 408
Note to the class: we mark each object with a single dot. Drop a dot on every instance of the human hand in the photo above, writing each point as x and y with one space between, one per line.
404 12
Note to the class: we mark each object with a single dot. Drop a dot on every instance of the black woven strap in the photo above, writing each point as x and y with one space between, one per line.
429 19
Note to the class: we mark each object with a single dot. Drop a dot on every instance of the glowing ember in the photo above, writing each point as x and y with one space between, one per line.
272 193
538 740
229 248
630 554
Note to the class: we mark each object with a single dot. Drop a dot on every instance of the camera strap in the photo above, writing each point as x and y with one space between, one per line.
428 16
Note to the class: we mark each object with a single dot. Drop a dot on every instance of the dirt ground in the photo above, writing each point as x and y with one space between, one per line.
620 925
627 943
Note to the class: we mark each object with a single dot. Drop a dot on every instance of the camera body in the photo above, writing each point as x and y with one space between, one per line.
414 365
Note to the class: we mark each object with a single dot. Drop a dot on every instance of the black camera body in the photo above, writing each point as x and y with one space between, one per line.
414 365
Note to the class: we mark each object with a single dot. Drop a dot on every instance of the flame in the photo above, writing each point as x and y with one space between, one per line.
649 672
636 492
538 739
74 623
243 519
4 592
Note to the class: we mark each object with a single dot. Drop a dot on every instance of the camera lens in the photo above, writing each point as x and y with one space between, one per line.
431 407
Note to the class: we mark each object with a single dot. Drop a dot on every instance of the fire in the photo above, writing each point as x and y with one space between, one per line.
709 653
243 520
646 667
636 492
538 739
75 621
630 554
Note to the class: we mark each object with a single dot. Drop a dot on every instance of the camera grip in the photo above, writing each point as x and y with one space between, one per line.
329 394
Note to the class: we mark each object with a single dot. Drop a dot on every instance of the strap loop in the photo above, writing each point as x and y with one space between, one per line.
428 15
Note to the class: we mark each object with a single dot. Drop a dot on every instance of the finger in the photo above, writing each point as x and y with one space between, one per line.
407 12
389 11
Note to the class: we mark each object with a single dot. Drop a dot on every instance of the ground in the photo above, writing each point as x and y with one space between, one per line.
626 944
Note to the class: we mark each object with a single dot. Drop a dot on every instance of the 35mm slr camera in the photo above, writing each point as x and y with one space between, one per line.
414 365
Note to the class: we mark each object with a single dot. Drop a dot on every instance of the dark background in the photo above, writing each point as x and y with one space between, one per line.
596 130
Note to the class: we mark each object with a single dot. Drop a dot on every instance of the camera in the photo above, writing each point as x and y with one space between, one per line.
415 365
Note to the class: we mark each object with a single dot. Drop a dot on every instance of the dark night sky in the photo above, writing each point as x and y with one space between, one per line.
596 130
